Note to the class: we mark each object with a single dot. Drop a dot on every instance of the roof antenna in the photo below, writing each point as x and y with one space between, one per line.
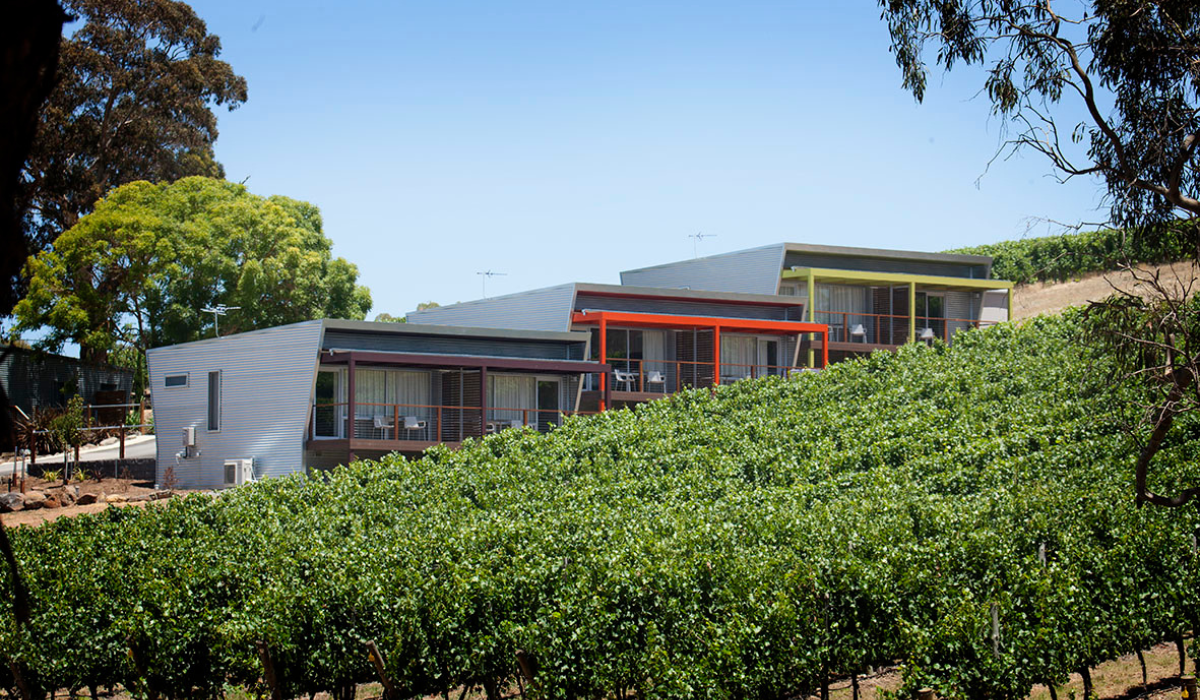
218 311
484 278
696 238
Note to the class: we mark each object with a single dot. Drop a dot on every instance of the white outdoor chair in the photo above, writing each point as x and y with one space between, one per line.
623 376
413 423
656 377
859 331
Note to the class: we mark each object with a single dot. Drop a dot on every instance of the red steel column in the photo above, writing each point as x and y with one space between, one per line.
716 354
603 361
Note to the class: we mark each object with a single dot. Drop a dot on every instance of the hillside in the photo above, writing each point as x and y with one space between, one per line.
967 511
1052 297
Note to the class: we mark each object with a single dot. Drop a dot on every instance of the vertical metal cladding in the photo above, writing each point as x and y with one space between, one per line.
267 379
547 309
754 271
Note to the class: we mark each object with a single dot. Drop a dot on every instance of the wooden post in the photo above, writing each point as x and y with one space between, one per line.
389 691
269 670
926 694
122 435
32 445
1188 687
350 407
528 667
483 400
395 421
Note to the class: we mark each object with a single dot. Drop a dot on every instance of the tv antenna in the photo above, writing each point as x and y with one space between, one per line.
484 278
696 238
218 311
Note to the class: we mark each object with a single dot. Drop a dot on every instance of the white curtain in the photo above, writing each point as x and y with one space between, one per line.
738 355
844 307
507 394
370 387
654 351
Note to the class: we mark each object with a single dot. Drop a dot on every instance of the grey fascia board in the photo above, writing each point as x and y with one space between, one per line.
451 331
887 253
205 341
698 295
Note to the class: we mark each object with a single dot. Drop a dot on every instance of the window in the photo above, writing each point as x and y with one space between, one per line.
176 380
214 400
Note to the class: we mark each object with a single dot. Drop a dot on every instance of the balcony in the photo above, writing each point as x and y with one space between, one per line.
390 427
863 332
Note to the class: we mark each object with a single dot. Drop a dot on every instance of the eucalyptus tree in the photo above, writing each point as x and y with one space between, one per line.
1108 90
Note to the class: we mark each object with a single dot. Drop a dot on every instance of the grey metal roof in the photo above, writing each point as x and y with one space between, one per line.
848 251
451 331
337 324
887 253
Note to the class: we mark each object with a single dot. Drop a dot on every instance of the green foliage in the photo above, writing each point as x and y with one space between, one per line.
743 542
66 428
139 269
136 86
1126 71
1066 257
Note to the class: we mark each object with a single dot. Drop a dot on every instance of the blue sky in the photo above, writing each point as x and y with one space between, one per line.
562 141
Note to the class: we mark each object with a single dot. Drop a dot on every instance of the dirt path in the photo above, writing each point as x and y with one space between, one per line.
1045 297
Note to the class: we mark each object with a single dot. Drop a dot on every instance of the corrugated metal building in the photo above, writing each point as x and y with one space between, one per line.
38 380
312 395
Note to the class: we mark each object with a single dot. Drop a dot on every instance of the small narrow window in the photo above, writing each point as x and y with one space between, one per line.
176 380
214 400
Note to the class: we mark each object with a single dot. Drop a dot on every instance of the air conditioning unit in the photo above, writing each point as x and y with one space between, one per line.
189 436
239 471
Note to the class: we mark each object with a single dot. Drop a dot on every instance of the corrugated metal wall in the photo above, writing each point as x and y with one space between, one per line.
454 345
994 306
48 381
754 271
547 309
266 389
685 308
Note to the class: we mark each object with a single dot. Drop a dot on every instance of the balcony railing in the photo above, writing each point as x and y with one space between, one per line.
672 376
888 329
425 422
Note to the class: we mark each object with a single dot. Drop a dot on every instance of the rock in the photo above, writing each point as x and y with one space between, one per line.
34 500
109 441
160 495
67 497
86 499
141 498
51 502
115 498
11 502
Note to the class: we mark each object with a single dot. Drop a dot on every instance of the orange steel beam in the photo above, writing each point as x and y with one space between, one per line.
717 324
